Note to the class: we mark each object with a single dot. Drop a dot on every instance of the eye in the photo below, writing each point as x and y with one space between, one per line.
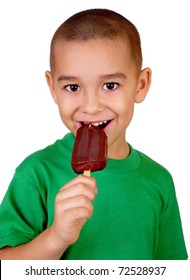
110 86
72 87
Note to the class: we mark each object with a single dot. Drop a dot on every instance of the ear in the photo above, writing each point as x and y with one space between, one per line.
143 85
50 82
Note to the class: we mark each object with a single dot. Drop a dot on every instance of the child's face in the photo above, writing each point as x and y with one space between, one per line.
97 82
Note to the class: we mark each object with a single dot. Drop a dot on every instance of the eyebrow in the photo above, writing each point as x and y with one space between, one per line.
66 78
116 75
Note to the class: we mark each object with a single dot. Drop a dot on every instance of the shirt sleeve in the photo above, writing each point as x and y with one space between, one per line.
171 244
22 212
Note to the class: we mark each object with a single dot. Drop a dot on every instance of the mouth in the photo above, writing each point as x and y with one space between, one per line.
99 124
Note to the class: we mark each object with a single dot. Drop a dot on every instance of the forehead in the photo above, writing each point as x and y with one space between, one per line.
94 52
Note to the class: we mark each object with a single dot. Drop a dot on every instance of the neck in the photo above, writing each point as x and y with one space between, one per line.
119 153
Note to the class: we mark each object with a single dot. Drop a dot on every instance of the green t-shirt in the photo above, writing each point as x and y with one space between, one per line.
135 214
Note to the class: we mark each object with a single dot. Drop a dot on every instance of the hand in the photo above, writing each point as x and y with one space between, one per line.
73 206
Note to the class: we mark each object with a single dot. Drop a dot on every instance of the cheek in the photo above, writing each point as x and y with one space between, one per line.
66 105
67 109
125 107
128 114
66 114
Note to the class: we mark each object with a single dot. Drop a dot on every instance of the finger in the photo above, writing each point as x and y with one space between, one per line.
76 190
75 202
90 181
74 214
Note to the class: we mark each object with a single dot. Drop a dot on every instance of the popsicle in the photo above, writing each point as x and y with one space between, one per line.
90 150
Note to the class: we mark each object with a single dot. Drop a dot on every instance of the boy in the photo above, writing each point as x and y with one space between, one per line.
126 211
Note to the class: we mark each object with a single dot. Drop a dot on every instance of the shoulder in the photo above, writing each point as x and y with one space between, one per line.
154 170
42 154
148 162
53 154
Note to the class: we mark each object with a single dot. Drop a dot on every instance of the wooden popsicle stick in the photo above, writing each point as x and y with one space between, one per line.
86 173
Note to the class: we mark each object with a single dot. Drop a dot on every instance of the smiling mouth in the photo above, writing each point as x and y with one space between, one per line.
100 125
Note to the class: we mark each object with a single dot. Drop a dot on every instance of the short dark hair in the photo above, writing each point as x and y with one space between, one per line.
98 24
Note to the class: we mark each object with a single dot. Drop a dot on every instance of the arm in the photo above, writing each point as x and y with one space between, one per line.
171 243
42 247
73 206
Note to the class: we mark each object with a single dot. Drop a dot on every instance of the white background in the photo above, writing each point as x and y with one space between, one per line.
29 119
94 270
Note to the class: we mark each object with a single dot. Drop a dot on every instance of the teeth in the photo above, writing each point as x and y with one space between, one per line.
95 123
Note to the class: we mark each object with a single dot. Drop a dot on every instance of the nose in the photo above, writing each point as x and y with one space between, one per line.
92 103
